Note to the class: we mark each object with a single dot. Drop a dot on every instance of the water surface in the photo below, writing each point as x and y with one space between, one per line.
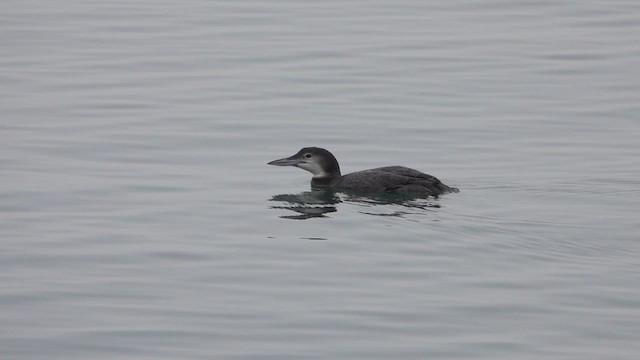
139 220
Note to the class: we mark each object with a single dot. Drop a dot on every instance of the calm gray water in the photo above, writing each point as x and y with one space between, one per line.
139 220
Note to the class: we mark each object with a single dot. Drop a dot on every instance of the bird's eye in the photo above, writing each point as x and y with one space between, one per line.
307 155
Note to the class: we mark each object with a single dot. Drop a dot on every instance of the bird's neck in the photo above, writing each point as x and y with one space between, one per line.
330 174
324 180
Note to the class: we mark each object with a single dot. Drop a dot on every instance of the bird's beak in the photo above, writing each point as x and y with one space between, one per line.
290 161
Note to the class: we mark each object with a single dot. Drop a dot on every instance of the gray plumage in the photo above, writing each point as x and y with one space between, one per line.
389 179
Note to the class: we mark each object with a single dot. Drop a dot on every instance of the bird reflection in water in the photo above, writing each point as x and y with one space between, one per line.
319 202
308 204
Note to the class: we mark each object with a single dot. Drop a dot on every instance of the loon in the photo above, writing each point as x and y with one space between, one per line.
390 179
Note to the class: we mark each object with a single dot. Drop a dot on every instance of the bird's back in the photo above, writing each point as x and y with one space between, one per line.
398 179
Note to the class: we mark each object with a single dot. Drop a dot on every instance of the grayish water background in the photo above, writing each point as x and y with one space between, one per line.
135 212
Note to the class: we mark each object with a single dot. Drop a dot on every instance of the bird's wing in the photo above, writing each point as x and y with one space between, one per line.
412 176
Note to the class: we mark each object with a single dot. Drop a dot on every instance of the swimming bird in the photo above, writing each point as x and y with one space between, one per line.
384 180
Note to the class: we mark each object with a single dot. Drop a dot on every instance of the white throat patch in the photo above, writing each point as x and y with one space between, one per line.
313 168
